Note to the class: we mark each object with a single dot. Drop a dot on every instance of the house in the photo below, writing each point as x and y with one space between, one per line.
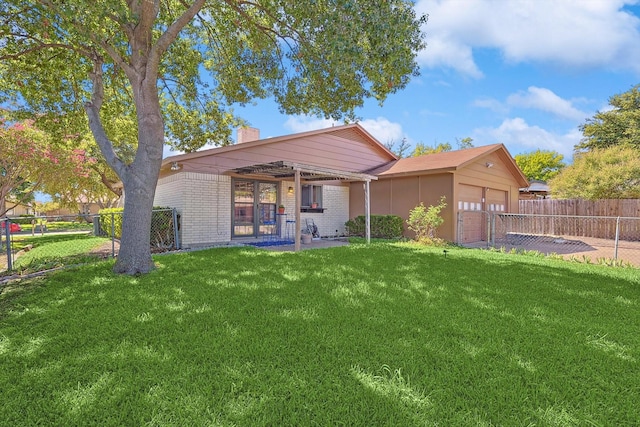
17 209
473 181
232 192
326 176
536 189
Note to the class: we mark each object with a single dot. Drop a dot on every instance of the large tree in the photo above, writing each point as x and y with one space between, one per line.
602 173
619 125
322 57
540 164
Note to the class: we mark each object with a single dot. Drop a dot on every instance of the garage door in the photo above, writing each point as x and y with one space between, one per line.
470 203
496 200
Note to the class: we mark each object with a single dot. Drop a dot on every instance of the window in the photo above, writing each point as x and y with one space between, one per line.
311 194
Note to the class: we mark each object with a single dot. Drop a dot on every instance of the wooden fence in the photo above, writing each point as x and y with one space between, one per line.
629 208
575 217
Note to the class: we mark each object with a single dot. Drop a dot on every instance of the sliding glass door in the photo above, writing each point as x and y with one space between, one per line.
254 208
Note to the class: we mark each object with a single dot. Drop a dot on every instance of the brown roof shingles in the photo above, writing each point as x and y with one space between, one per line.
434 162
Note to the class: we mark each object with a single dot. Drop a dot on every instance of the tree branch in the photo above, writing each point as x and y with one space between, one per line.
41 46
172 32
92 109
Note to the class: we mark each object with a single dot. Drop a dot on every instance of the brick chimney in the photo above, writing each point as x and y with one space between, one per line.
247 134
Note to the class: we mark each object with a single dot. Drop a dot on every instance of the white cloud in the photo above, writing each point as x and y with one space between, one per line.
520 137
381 128
536 98
545 100
491 104
298 124
568 33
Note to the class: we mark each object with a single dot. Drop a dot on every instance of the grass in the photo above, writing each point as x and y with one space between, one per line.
391 334
53 250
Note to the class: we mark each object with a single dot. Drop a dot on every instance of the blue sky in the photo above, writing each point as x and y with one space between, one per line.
525 73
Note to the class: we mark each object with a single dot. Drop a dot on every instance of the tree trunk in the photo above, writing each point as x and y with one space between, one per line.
134 256
140 180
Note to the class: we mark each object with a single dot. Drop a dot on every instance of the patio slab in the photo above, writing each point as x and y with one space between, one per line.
315 244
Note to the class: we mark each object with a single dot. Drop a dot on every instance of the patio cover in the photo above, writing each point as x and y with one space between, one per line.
300 171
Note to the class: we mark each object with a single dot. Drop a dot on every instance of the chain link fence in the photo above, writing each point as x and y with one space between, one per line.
29 244
590 239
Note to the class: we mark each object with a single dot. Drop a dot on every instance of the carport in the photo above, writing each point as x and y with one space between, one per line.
299 172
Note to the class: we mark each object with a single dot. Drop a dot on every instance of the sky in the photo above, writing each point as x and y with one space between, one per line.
525 73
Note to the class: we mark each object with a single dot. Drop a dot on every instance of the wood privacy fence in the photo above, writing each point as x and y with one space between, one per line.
604 219
577 207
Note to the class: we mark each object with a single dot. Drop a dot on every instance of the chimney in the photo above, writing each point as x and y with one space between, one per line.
247 134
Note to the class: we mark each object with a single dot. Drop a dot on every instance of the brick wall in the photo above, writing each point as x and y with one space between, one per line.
204 204
335 201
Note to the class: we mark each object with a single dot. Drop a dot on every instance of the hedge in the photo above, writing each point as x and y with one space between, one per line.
382 226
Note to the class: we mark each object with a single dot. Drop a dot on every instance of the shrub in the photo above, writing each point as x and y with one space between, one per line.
382 226
23 219
425 221
107 216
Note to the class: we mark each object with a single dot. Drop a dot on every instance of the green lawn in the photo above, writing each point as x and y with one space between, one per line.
52 250
391 334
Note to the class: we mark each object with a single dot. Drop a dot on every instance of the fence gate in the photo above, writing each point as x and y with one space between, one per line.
474 228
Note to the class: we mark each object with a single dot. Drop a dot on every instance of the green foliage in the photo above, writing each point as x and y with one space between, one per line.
421 149
382 226
618 126
111 222
464 143
312 58
610 173
425 221
23 219
540 165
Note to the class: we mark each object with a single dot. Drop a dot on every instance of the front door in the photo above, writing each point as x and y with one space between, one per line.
254 208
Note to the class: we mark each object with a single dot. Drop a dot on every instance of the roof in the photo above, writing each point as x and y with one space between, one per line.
353 128
447 161
536 185
283 169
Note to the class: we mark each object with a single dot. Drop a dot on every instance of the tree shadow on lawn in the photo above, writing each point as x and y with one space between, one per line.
378 335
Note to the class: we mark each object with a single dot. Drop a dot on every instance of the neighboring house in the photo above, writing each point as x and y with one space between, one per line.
536 190
481 179
231 193
17 209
